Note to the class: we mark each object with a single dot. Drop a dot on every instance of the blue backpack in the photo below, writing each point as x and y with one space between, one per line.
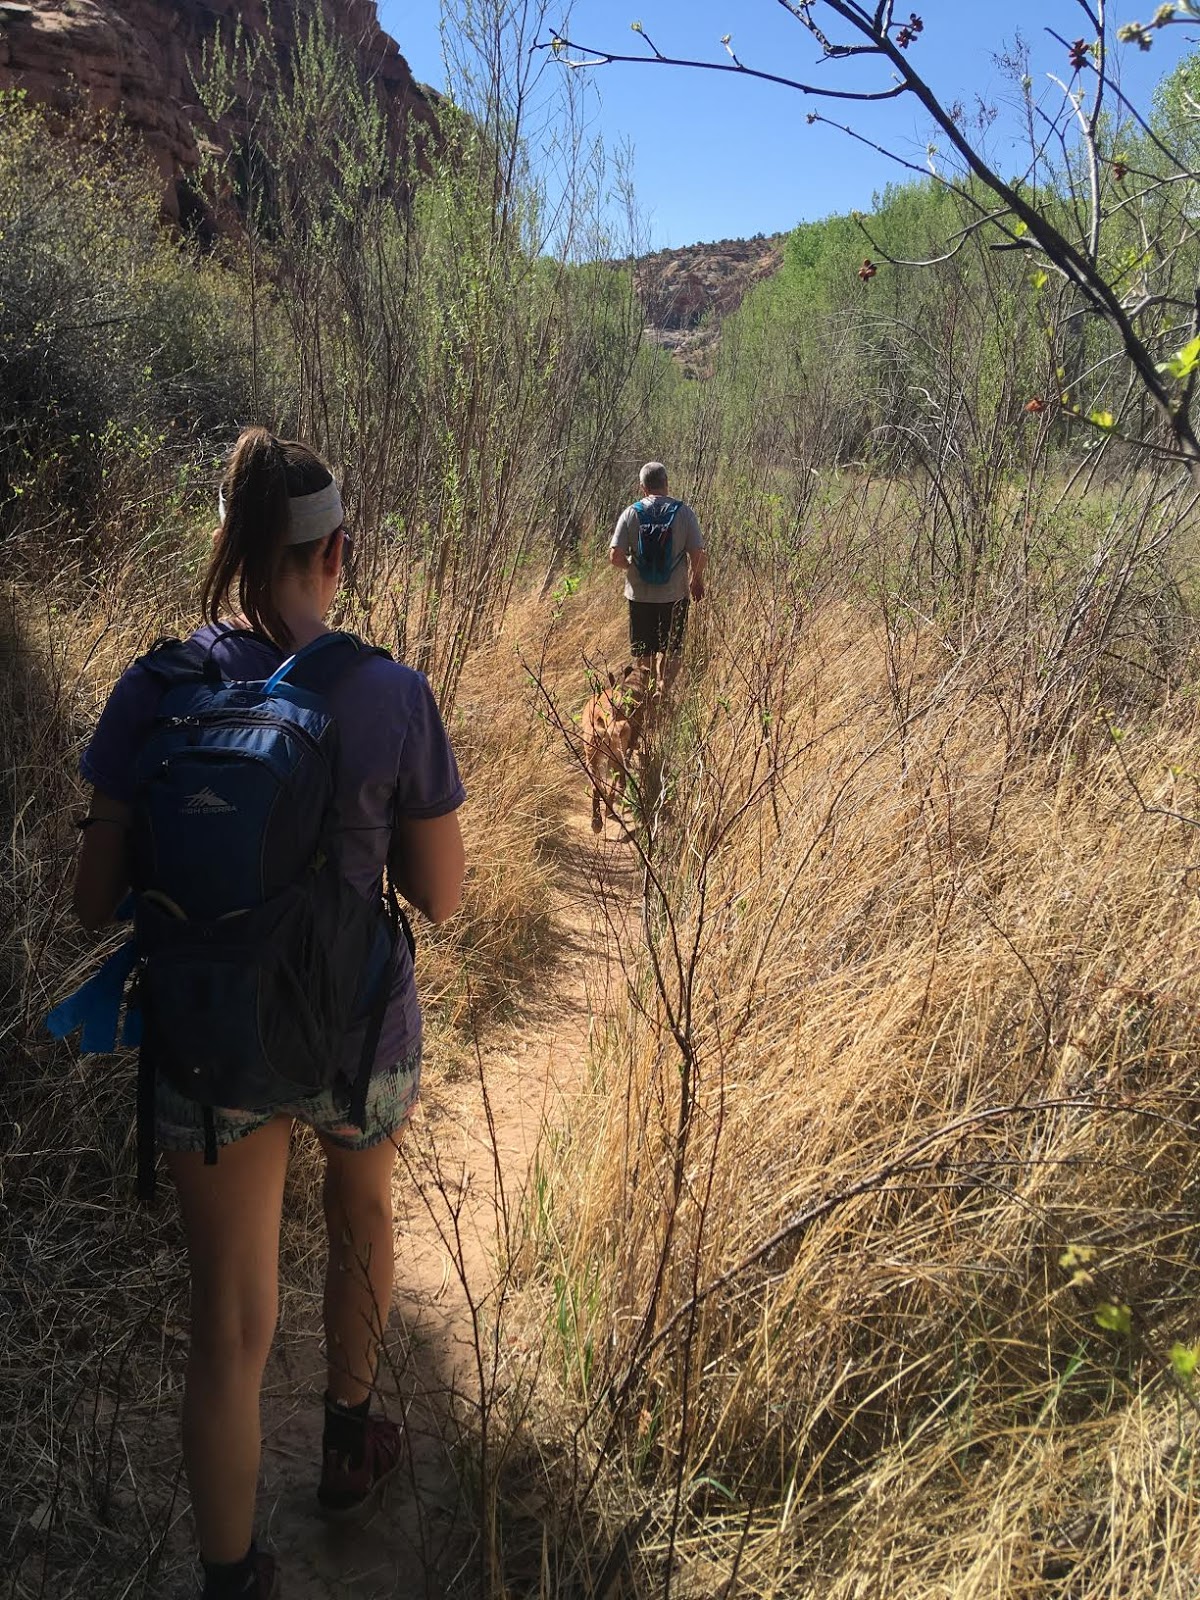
653 558
256 959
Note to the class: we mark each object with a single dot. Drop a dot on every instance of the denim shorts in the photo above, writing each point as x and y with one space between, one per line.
179 1122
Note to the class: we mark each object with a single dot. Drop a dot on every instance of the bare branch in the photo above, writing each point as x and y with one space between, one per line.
607 58
960 239
911 166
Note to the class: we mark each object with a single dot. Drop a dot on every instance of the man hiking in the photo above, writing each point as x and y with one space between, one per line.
659 547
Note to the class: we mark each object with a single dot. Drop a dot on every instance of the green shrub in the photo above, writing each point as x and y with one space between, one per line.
120 351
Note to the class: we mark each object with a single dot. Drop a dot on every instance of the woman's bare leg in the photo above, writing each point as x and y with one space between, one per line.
231 1216
358 1280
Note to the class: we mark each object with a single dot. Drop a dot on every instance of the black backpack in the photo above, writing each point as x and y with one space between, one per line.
257 959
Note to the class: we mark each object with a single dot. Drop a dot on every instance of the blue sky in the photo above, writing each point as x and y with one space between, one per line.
717 157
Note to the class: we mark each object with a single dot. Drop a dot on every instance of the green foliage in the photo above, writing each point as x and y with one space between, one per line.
1184 362
822 366
394 307
922 335
575 1307
116 344
1114 1317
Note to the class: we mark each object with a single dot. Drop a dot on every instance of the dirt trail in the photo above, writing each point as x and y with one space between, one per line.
459 1177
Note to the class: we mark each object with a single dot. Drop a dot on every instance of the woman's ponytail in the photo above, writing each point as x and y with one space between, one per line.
255 522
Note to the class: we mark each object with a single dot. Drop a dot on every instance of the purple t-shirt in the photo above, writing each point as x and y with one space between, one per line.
395 760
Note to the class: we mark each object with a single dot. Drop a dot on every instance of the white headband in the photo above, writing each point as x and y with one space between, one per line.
313 516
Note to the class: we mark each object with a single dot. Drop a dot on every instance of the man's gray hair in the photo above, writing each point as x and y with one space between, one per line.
653 476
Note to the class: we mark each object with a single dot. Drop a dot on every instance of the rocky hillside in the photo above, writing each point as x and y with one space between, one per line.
686 293
135 56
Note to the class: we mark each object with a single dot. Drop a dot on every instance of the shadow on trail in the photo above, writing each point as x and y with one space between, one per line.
418 1538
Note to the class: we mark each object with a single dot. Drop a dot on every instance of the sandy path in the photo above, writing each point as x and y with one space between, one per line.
460 1187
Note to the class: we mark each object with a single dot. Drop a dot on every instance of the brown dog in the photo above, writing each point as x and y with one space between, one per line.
612 724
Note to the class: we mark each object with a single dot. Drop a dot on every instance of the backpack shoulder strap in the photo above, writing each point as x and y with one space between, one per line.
657 516
173 661
319 665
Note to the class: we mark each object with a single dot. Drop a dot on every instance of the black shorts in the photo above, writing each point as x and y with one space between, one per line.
657 629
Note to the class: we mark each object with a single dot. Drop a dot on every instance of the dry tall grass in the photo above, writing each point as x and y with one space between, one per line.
902 1097
903 1108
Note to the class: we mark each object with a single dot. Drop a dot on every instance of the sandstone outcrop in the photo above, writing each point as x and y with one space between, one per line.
681 287
136 57
685 293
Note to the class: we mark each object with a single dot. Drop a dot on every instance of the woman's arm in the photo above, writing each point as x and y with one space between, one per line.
426 863
102 870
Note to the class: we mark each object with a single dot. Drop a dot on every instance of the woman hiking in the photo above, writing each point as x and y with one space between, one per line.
395 794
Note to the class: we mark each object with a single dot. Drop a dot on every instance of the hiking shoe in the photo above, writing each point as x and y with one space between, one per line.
266 1570
345 1489
262 1583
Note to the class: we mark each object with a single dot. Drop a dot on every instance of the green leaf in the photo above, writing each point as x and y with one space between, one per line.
1185 1359
1039 279
713 1483
1077 1255
1020 229
1115 1318
1103 419
1184 361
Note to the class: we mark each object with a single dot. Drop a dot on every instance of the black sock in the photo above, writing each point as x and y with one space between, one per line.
230 1580
346 1429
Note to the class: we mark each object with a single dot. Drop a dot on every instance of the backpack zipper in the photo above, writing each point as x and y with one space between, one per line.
248 720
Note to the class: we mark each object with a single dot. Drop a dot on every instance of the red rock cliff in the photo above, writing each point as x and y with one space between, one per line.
686 293
135 56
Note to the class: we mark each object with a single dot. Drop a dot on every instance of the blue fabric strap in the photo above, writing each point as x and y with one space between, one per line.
657 516
95 1007
311 648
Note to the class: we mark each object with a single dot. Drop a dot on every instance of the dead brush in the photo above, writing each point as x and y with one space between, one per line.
94 1291
477 969
913 1027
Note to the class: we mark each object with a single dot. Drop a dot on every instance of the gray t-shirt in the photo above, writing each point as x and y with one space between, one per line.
685 535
